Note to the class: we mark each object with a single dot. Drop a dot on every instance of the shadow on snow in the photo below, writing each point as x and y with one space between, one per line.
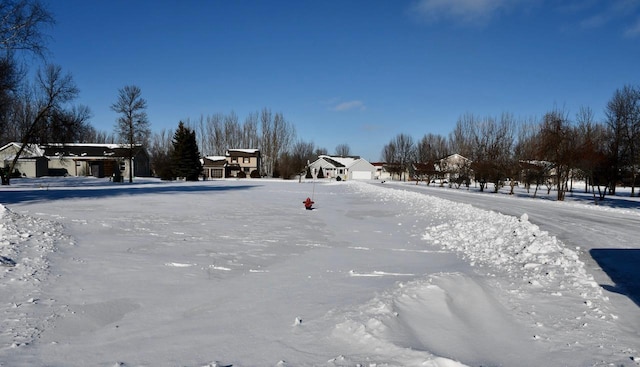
623 267
16 196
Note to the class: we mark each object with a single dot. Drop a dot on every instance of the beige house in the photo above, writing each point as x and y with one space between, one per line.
242 163
32 162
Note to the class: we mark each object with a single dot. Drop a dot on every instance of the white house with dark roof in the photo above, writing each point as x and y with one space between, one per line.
344 168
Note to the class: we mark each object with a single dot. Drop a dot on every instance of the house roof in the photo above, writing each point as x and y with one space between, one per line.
216 158
243 152
455 156
214 161
30 151
339 161
333 162
90 151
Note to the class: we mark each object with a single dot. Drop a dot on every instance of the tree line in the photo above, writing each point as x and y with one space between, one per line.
283 154
551 151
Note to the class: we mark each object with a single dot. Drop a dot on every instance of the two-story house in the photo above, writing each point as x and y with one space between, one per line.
243 163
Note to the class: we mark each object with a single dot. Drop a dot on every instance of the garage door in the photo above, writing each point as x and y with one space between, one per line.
361 175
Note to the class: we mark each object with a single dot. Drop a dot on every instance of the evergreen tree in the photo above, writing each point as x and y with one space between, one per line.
320 173
186 156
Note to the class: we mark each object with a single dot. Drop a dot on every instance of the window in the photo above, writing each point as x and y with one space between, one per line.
246 160
234 159
246 170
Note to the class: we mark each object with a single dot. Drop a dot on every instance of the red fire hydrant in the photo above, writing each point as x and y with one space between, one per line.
308 203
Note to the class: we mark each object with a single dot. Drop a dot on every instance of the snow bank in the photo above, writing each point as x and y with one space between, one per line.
532 275
512 246
420 320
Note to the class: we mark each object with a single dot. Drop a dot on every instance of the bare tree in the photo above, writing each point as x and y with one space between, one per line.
592 156
21 23
250 138
557 145
343 150
276 137
320 151
463 136
10 77
530 170
232 131
488 143
215 136
399 155
623 118
432 147
294 161
133 124
53 89
161 151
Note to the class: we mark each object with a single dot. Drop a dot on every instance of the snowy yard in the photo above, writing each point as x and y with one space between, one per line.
237 272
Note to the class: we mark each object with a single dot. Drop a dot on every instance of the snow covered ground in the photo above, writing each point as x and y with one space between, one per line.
237 272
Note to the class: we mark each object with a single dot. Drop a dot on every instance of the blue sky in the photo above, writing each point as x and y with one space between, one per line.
355 72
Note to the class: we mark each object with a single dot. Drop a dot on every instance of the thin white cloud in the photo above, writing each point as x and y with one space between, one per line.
350 105
476 12
633 30
612 11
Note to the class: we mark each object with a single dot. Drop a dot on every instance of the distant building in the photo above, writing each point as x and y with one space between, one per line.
382 173
214 167
32 162
72 159
242 160
346 168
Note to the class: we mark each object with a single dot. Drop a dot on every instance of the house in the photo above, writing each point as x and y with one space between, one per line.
214 167
454 168
381 171
99 160
242 163
425 171
32 162
343 168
